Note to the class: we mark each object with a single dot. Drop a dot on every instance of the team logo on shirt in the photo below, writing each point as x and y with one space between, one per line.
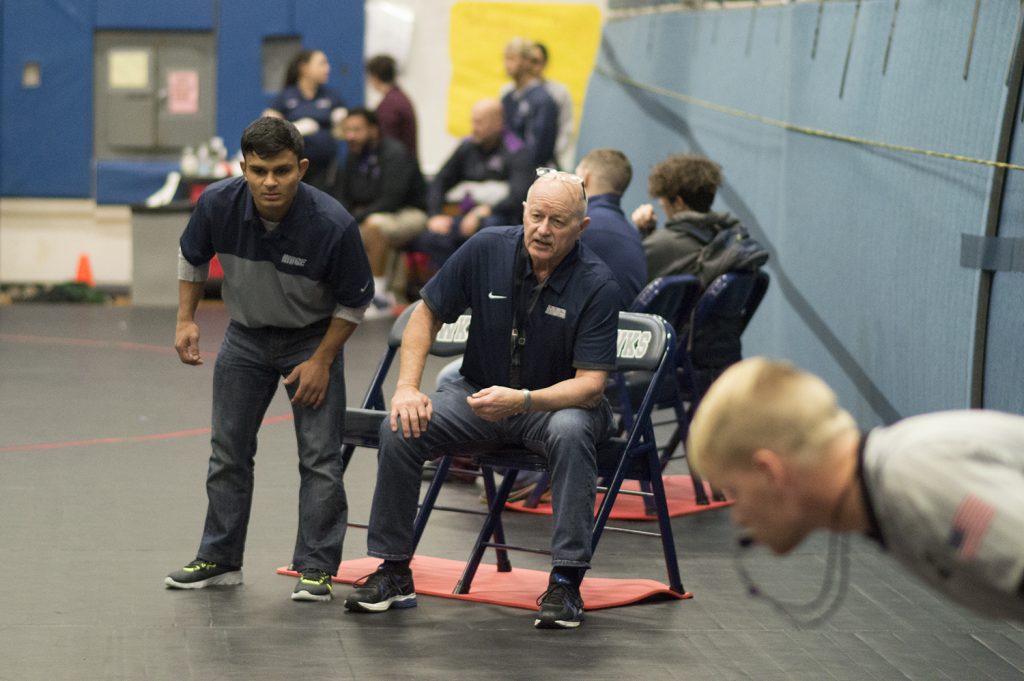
293 260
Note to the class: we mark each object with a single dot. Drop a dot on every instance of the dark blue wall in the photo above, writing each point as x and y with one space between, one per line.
46 133
867 286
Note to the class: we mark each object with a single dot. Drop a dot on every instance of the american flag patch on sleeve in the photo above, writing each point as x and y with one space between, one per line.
970 524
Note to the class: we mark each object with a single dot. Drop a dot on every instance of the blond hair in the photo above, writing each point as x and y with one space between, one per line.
764 404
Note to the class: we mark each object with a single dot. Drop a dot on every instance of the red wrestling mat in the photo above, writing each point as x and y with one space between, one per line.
678 492
516 589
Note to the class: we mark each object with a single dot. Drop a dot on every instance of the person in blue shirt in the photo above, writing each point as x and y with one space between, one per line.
606 173
530 111
536 290
296 284
314 108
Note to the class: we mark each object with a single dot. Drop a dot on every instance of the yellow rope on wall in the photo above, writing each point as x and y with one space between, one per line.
792 127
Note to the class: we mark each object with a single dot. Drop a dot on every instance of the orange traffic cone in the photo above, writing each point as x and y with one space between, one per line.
84 275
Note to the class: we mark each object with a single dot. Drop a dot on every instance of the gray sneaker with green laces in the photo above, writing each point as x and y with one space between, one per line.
200 574
314 585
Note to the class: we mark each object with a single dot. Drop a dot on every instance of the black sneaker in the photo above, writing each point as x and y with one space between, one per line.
314 585
200 574
380 590
561 606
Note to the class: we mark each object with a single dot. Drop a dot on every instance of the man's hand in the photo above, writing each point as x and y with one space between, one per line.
440 224
186 342
496 403
412 408
470 223
645 218
313 377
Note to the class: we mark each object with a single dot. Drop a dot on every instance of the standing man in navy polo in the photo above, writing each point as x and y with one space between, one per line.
296 284
536 290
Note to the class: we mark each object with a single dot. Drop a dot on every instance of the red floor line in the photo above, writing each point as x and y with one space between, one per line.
85 343
270 420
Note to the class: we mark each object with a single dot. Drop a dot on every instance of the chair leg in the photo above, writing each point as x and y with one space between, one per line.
668 543
497 503
501 555
428 500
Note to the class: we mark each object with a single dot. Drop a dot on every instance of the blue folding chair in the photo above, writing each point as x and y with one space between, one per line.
362 424
646 343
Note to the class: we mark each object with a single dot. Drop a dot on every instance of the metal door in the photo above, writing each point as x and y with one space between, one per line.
153 92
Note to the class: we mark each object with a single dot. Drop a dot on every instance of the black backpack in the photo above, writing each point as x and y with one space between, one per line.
729 249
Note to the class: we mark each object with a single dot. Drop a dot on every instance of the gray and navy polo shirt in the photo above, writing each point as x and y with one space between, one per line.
311 265
945 492
573 324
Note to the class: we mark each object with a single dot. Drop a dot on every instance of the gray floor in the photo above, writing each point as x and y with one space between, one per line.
96 509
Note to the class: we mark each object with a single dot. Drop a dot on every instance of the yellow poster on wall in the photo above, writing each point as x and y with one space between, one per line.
480 31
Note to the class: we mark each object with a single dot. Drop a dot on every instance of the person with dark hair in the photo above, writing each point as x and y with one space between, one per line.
487 177
381 185
530 112
685 186
395 111
314 108
296 285
942 492
560 303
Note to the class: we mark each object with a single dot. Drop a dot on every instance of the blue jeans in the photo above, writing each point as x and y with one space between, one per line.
568 438
249 366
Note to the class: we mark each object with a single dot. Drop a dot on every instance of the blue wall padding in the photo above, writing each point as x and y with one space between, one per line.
130 181
867 289
180 15
336 28
240 98
46 132
1004 352
46 143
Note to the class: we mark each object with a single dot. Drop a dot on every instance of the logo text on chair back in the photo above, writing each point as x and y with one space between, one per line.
456 332
632 343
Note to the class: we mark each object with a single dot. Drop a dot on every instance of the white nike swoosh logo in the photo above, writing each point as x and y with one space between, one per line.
493 296
366 286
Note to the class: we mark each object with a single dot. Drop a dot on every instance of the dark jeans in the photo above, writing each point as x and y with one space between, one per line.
249 366
568 438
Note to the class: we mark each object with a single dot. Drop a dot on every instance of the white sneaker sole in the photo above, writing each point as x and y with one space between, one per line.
408 601
227 579
557 624
306 596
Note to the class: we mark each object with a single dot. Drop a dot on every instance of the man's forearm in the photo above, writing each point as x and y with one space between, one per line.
189 295
584 391
416 341
339 331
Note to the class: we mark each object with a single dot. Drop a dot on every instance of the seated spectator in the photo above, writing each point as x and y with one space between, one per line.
685 186
395 111
530 111
487 178
313 108
381 185
547 393
606 174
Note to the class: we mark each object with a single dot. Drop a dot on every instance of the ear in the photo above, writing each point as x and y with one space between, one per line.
583 225
770 465
303 167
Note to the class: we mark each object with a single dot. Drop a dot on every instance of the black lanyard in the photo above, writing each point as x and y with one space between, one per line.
525 295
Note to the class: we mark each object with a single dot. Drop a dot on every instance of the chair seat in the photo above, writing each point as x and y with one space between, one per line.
362 427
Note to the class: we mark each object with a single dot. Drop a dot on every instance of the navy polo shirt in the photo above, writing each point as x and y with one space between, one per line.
573 325
290 277
611 236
